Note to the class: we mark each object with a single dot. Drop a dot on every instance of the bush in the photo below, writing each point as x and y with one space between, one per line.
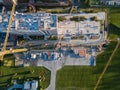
88 11
93 18
77 18
1 63
61 18
37 37
53 38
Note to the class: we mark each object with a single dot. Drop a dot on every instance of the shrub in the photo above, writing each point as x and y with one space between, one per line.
77 18
61 18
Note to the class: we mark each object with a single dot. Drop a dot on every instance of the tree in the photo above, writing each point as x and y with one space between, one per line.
87 2
93 18
0 72
61 18
1 63
52 38
77 18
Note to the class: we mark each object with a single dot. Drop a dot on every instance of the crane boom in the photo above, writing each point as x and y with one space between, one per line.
4 51
15 2
9 27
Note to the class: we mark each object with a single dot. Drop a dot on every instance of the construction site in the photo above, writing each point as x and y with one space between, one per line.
78 42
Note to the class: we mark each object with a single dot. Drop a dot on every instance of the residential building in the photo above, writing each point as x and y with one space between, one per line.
34 85
31 85
28 85
111 2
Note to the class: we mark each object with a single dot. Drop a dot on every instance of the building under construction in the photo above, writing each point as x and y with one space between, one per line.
27 24
31 24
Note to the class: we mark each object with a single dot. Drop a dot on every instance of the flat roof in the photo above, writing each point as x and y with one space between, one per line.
30 22
82 27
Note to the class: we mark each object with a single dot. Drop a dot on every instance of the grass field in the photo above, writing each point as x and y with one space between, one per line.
111 79
20 74
114 26
85 77
94 2
9 60
8 73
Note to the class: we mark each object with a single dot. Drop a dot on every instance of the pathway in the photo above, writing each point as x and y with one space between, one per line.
55 65
104 70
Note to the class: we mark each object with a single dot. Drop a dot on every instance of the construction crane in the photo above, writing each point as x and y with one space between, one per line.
4 51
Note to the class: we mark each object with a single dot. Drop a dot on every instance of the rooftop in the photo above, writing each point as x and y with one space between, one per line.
86 26
46 23
29 22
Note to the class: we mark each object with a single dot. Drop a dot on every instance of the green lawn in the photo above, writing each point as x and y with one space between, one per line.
114 26
111 79
9 60
23 73
84 3
85 77
8 73
94 2
115 16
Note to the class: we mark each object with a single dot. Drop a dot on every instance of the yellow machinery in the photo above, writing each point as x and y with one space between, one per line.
4 51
